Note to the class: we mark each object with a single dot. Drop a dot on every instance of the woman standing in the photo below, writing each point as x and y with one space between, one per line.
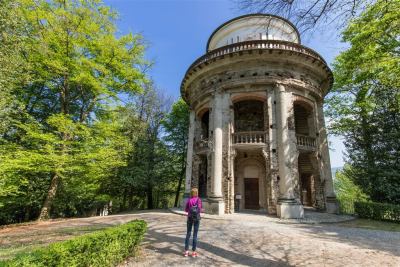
192 201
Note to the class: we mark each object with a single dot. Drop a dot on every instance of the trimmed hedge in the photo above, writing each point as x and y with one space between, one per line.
105 248
377 211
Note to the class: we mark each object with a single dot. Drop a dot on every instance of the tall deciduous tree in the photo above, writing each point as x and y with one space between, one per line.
365 100
176 127
13 69
79 63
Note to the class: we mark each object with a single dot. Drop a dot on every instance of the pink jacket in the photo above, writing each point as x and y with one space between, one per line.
191 202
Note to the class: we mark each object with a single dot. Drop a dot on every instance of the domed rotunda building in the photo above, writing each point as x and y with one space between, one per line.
257 137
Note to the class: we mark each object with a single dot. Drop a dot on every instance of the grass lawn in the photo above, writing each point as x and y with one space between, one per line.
372 225
11 245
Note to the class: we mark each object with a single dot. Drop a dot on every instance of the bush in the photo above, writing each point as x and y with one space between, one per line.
346 205
377 211
105 248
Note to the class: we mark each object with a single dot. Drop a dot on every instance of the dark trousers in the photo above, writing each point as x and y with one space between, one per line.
189 232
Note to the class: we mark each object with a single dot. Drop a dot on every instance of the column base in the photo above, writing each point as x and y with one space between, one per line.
185 198
332 204
289 209
213 206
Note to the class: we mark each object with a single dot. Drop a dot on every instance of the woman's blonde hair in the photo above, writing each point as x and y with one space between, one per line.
194 192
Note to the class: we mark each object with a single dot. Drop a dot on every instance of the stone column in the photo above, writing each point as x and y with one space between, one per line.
287 206
189 158
332 205
217 205
272 150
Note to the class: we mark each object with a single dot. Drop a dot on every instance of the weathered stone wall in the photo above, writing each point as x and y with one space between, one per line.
249 116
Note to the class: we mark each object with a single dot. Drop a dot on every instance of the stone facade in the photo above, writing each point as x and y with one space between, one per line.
257 137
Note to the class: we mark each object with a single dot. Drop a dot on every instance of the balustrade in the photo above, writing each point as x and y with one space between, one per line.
306 141
256 44
248 138
202 145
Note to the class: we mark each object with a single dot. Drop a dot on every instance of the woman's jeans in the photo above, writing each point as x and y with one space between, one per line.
189 232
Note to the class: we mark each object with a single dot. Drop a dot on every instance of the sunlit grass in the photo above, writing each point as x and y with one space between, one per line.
12 245
372 225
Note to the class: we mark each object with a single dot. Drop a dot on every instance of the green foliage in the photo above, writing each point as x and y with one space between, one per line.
377 211
13 69
346 191
93 155
176 126
364 103
105 248
67 146
63 130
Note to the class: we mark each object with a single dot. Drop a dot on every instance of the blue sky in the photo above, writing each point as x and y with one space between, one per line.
179 30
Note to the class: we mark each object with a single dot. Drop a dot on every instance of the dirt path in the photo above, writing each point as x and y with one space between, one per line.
245 242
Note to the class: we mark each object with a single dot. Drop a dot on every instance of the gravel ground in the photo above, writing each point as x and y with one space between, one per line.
251 239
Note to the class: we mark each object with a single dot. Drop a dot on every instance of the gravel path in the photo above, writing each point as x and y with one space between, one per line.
250 241
246 240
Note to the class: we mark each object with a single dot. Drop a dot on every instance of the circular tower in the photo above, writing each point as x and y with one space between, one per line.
257 137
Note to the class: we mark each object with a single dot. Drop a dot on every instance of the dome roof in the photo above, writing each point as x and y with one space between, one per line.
253 27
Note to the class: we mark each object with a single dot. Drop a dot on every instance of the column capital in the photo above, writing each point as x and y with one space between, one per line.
280 87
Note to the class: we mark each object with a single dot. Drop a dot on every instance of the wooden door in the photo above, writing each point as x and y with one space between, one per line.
251 193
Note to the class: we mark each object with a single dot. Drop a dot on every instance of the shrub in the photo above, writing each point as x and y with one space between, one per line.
377 211
105 248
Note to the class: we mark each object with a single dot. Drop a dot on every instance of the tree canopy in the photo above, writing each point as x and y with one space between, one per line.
364 102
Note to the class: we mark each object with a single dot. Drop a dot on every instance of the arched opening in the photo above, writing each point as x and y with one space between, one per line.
249 116
301 120
205 119
307 186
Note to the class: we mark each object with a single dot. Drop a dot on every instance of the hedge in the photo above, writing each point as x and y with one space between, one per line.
105 248
377 211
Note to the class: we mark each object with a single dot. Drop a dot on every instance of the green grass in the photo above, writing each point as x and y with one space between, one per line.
372 225
12 245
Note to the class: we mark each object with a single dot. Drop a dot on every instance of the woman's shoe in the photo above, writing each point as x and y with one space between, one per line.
186 254
195 254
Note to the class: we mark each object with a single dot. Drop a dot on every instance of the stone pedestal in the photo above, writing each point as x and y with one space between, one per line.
289 209
332 204
213 206
185 198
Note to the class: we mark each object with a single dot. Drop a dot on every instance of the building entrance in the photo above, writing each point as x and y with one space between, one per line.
251 190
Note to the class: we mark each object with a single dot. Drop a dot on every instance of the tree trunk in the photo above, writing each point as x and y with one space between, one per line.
149 197
27 214
46 207
178 190
130 199
124 200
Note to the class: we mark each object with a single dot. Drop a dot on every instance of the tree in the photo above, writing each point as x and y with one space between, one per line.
79 65
146 162
13 69
365 104
176 127
305 14
345 188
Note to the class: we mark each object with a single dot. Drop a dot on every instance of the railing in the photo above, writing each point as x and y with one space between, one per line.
248 138
256 44
202 145
306 141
